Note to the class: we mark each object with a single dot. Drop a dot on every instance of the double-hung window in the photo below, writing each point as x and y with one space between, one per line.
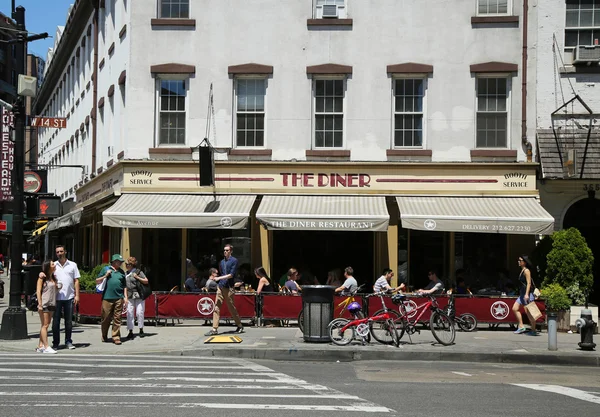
329 113
493 7
174 9
250 111
327 9
409 94
492 112
172 111
582 26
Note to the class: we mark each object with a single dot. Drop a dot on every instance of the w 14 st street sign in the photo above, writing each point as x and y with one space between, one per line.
50 122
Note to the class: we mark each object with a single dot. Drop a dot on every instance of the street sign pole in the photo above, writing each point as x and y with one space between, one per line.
14 321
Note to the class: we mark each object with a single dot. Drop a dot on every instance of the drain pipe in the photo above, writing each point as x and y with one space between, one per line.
526 144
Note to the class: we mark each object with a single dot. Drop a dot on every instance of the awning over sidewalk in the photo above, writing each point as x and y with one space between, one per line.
509 215
342 213
67 220
185 211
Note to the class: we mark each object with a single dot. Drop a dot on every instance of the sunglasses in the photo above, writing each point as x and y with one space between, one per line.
227 250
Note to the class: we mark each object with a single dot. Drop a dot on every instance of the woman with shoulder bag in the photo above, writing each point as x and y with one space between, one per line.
526 296
136 303
47 286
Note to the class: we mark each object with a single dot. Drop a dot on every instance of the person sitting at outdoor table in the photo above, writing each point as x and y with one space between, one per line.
461 286
435 286
190 285
383 282
350 284
264 282
211 285
291 283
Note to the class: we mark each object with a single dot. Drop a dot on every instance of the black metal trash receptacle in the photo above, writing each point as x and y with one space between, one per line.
317 304
30 276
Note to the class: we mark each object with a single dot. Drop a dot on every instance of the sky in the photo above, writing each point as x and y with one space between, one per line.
41 16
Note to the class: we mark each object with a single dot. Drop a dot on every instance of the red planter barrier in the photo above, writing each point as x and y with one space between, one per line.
90 305
281 306
201 306
285 307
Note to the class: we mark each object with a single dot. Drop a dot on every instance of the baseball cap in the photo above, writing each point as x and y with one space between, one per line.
117 257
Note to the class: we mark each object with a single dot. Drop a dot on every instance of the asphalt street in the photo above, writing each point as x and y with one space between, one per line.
159 385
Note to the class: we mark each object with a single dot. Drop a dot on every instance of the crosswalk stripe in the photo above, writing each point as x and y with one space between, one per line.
557 389
367 408
42 371
71 355
77 384
117 365
173 394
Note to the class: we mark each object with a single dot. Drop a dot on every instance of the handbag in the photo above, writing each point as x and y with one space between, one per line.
32 302
534 310
536 293
143 290
102 286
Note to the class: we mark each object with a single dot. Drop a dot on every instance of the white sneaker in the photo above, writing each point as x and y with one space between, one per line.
39 350
49 350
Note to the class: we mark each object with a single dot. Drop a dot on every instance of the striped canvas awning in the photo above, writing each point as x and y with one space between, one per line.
509 215
185 211
341 213
69 219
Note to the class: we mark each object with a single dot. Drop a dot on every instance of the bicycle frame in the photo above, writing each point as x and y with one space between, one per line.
431 304
385 316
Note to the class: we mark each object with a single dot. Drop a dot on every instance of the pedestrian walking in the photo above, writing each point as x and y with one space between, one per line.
67 297
525 296
114 297
46 289
228 269
136 305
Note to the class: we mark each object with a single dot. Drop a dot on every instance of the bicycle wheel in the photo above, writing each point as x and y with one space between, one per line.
359 316
442 327
380 328
467 322
339 337
301 320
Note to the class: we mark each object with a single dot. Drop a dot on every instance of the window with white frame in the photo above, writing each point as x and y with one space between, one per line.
582 26
493 7
329 113
250 111
174 9
327 9
172 112
409 94
492 112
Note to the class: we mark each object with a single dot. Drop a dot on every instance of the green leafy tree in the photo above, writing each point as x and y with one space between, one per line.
570 264
87 281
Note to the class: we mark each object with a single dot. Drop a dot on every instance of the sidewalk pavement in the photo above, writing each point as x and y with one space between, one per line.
186 338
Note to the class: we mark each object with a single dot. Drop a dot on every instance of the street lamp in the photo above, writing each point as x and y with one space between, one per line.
14 321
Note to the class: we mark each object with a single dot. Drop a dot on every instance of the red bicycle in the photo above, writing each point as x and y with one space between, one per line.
440 324
380 325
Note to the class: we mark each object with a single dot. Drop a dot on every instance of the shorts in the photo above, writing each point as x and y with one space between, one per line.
49 309
521 299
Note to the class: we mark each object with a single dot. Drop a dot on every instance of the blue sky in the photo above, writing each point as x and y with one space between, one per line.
41 16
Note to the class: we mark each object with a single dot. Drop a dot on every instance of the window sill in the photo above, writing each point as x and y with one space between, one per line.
409 152
579 69
325 153
493 153
173 22
329 22
478 20
251 152
170 151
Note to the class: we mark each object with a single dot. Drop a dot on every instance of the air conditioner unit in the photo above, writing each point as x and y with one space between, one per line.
330 11
586 54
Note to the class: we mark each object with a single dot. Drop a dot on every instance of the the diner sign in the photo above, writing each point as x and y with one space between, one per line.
326 178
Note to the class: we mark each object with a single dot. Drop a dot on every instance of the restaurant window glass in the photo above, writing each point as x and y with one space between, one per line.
481 259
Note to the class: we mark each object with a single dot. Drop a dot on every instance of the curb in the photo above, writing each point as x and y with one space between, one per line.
324 355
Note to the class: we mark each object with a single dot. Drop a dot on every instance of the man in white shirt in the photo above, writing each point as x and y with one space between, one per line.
383 282
350 285
435 286
67 296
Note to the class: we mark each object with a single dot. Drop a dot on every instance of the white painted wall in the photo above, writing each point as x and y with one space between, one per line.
230 32
551 15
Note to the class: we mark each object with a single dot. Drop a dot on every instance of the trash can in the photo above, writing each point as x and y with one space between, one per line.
30 274
317 304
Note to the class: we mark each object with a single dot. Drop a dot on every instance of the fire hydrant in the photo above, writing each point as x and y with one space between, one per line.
585 324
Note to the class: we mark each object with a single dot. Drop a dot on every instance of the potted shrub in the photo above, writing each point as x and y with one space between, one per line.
558 304
569 264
